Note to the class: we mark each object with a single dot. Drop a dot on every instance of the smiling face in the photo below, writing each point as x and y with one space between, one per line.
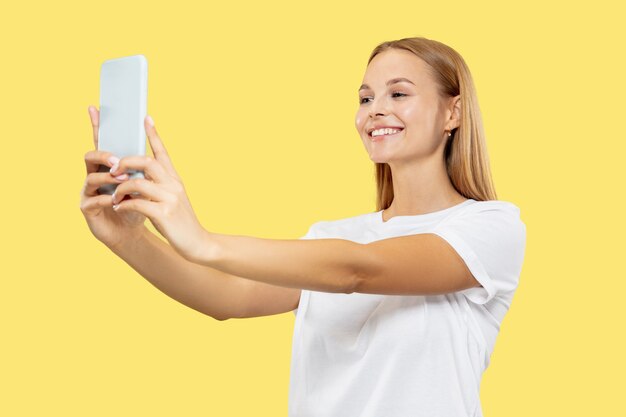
398 92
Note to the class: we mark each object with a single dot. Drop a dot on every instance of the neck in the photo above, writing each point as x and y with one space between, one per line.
420 188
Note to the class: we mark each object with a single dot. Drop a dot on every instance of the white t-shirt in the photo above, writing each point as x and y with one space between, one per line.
374 355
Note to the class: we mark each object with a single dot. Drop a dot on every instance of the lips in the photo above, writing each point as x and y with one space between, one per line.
369 133
381 137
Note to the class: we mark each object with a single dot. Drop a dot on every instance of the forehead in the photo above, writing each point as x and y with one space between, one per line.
396 63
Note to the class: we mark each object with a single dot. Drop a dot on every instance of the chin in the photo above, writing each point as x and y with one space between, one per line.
380 159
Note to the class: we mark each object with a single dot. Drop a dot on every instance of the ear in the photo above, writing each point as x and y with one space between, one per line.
455 109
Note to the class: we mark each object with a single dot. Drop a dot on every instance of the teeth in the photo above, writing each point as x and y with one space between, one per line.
386 131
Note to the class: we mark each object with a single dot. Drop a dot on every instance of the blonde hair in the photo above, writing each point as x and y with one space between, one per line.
465 153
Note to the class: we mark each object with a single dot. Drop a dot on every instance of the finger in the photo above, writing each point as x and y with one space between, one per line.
158 149
94 159
96 203
94 115
95 180
151 168
147 189
145 207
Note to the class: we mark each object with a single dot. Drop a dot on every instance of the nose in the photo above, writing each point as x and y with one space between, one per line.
377 109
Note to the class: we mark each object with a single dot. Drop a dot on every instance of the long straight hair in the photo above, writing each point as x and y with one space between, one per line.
465 153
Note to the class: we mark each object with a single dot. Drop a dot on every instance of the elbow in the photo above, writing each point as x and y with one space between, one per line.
359 271
354 284
214 315
368 269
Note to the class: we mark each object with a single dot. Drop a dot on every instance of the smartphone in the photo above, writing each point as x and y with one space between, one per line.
123 108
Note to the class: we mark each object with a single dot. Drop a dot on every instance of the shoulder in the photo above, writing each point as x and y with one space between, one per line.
494 221
494 225
489 211
492 205
346 223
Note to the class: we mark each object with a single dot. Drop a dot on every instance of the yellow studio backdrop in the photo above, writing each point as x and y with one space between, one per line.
255 103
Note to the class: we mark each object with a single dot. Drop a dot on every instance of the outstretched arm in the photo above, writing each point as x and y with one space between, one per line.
410 265
328 265
417 264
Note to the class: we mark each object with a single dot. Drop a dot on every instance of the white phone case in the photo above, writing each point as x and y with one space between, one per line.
123 108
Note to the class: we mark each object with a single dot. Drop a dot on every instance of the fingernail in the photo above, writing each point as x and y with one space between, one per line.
150 121
113 159
122 177
114 168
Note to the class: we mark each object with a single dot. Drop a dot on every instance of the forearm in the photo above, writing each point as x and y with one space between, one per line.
202 288
328 265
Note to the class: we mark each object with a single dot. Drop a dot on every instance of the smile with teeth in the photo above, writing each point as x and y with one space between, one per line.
384 132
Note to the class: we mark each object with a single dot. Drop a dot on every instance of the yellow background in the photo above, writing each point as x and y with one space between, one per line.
255 102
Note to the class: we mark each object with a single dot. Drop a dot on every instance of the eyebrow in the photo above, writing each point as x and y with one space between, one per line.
392 81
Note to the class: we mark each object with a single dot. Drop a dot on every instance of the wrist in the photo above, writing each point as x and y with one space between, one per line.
206 251
130 240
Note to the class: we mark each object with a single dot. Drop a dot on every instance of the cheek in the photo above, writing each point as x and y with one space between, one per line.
360 119
412 115
417 117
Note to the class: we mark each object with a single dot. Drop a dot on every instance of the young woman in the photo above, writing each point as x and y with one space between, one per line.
397 310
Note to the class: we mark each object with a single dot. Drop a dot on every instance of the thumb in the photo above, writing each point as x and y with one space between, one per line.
158 149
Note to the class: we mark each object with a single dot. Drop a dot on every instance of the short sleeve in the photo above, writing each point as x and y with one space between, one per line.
490 237
310 234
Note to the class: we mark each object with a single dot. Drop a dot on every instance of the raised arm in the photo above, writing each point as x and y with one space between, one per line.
207 290
417 264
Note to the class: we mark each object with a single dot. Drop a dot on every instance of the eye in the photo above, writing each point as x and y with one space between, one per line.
394 94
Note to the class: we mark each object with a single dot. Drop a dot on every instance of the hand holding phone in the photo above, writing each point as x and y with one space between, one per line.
123 108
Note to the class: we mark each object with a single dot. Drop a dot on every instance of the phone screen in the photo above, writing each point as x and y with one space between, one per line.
123 108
